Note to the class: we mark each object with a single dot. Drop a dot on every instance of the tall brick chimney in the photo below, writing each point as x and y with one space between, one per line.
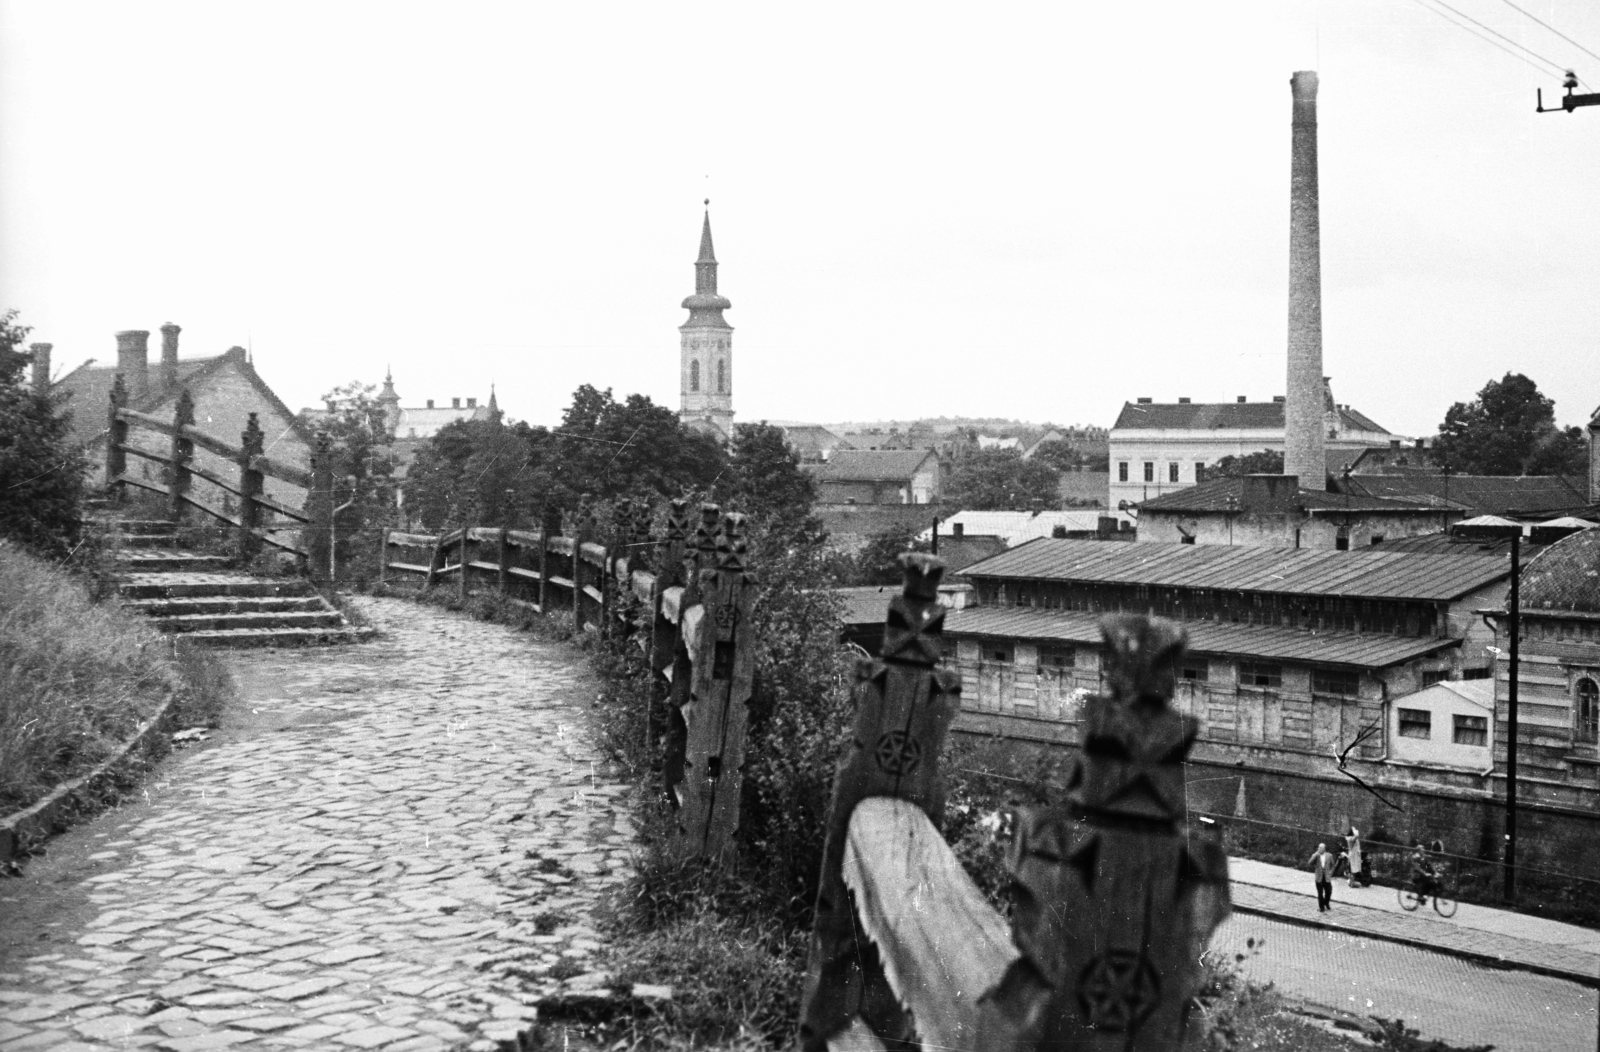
41 367
1302 415
169 356
133 362
1594 458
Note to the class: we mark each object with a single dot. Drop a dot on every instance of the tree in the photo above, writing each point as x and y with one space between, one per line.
1064 456
1000 480
41 470
482 473
764 481
363 476
1264 462
1508 429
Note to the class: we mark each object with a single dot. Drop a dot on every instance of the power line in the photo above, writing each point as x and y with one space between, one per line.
1552 29
1553 66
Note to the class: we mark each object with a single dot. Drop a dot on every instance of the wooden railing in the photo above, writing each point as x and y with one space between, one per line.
682 599
246 482
1113 898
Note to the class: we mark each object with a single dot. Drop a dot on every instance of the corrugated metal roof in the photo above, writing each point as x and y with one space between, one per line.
1205 637
1217 494
1367 574
1495 494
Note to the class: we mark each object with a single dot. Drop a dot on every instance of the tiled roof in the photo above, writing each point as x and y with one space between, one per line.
1216 495
1369 573
865 604
1205 637
1012 527
959 553
873 465
1233 416
1488 494
1565 576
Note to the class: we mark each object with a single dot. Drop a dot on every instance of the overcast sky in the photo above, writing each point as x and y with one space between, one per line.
1029 211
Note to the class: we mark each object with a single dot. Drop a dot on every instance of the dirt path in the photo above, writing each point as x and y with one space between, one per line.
395 845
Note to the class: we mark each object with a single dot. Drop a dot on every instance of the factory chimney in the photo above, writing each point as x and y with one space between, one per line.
41 367
1303 412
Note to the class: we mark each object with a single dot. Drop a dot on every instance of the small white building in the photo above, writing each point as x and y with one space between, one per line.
1450 724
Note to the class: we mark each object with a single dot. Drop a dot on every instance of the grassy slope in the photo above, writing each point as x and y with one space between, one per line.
77 678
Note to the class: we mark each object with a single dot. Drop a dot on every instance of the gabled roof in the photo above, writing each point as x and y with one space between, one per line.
1565 577
1208 416
1216 495
873 465
809 438
1221 638
1368 573
88 389
1486 494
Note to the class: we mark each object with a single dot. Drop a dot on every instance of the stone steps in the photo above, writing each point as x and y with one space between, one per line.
210 585
188 624
163 606
170 560
277 637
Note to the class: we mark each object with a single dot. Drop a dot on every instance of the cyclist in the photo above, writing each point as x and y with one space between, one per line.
1423 875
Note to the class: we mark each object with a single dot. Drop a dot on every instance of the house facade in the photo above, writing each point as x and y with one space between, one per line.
879 476
1159 447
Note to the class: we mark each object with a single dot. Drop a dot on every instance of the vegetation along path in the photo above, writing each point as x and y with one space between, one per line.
397 845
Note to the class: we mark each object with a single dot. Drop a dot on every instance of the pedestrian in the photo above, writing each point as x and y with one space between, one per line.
1353 849
1322 861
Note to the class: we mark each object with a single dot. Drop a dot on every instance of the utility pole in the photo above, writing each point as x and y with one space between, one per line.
1515 619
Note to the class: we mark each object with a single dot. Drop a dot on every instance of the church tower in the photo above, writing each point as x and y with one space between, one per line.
705 352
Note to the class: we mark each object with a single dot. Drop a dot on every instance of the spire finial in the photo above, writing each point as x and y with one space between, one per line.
708 202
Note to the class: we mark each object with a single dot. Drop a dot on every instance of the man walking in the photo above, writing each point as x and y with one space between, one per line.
1322 861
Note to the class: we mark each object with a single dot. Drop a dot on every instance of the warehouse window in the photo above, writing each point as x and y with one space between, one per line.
1149 471
1343 683
1172 471
1588 710
1122 471
1260 674
1416 723
1194 671
1471 730
997 652
1056 659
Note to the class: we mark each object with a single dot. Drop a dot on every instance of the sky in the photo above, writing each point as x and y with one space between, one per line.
1030 211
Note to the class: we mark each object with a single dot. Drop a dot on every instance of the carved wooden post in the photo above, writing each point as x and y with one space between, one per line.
461 563
251 483
319 509
580 532
435 559
116 438
1114 901
504 582
904 706
182 452
665 661
718 710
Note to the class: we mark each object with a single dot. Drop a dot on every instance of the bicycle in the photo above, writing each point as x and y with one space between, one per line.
1411 897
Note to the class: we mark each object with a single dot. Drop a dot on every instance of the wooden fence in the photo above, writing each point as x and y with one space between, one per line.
683 600
1114 900
246 482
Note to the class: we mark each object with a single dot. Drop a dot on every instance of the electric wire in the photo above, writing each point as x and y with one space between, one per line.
1550 27
1559 69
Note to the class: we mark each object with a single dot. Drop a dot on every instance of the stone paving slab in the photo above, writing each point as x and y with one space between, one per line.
370 867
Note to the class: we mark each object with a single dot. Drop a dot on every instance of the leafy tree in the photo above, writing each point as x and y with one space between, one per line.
363 476
1264 462
1508 429
1000 480
1064 456
481 473
878 561
764 481
41 471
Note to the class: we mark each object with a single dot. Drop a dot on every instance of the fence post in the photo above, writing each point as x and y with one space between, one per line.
579 531
434 558
720 687
461 564
182 453
319 509
544 561
669 666
116 438
251 484
904 705
505 560
383 557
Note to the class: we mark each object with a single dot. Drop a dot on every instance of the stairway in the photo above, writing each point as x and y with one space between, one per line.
200 597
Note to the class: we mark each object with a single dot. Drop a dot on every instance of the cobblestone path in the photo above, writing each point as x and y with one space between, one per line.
392 846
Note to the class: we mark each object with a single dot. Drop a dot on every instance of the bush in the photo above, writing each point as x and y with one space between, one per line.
77 678
41 470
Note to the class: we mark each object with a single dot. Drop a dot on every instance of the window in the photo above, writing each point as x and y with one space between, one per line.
1588 710
1430 676
1172 471
1122 471
1471 730
1149 471
1416 723
722 376
1194 671
997 652
1199 471
1341 542
694 376
1187 538
1260 674
1056 659
1475 673
1377 538
1343 683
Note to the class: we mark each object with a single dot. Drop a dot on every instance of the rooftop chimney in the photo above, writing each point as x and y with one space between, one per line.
1278 399
1146 401
1302 414
41 367
472 403
430 403
133 362
455 403
169 356
1241 399
1183 401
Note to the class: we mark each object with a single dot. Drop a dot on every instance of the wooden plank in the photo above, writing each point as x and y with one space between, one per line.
153 487
526 575
202 473
483 533
593 593
211 444
279 509
201 505
593 554
561 546
523 538
281 471
644 585
408 567
450 539
146 454
487 567
563 582
448 568
146 421
412 540
942 945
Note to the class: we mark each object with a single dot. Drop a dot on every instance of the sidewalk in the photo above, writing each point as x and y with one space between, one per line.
1479 932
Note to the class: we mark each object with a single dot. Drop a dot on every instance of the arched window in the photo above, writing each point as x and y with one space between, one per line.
694 376
722 376
1588 710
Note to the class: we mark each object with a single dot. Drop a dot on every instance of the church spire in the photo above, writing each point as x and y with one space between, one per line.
705 306
494 407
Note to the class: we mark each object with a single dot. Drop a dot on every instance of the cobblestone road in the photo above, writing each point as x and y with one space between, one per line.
1443 997
390 847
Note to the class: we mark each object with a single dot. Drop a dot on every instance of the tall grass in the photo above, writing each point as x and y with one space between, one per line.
78 677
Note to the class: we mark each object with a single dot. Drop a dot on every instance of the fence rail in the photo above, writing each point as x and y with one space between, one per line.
252 467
